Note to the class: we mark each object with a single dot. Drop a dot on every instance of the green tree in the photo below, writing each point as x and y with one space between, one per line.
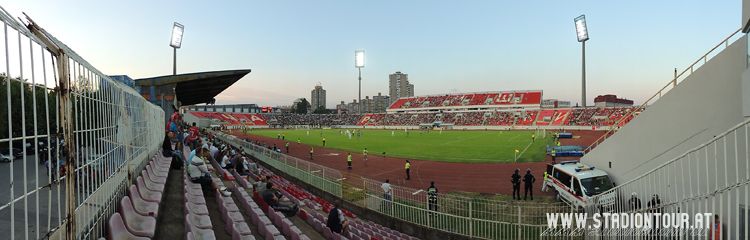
301 106
322 110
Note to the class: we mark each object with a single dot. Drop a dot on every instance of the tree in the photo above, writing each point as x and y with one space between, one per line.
300 106
322 110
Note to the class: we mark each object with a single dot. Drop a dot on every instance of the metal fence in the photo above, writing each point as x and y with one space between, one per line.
69 137
711 178
319 176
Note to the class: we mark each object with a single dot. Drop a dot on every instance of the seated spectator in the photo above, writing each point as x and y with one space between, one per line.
261 184
274 199
337 222
225 163
199 173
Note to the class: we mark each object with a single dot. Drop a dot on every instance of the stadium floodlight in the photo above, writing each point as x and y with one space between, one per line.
175 43
582 32
359 58
359 63
177 30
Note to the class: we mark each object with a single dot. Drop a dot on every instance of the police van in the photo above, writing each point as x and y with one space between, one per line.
579 184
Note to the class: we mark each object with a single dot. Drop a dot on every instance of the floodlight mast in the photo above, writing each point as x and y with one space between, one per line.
175 43
583 35
359 63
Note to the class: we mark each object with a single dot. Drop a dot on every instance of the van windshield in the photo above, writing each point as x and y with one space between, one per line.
596 185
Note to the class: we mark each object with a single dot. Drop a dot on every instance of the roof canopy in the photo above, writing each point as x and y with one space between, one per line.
195 88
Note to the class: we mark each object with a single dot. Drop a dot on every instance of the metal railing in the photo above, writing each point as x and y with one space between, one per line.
666 88
474 217
319 176
713 177
69 137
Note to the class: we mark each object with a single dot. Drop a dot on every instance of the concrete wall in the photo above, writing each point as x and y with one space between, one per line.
705 104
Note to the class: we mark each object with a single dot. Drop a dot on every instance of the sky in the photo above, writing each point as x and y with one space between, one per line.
444 46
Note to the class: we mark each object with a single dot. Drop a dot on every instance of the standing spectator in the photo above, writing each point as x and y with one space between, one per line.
193 137
515 179
311 153
349 161
287 147
387 194
336 220
716 229
214 150
634 202
432 193
407 167
528 180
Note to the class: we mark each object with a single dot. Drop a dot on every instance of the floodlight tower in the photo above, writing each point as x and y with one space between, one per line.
175 43
583 35
359 63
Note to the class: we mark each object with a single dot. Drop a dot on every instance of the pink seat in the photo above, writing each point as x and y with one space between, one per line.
196 208
118 231
153 186
156 172
148 195
200 221
240 230
137 224
271 232
195 198
198 233
141 206
153 179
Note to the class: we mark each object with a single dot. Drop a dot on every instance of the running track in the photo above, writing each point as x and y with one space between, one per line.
491 178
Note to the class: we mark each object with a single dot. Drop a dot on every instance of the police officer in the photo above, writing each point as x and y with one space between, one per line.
432 197
349 161
553 153
407 167
528 181
515 179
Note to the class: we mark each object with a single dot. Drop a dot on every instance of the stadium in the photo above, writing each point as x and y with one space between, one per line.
87 155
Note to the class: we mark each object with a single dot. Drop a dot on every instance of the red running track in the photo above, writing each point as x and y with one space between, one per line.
449 177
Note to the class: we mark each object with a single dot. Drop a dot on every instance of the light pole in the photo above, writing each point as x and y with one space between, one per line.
359 63
175 43
583 35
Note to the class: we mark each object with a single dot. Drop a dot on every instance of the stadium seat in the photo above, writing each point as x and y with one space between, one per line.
118 231
143 226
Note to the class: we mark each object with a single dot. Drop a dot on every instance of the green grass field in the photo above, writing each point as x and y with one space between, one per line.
446 146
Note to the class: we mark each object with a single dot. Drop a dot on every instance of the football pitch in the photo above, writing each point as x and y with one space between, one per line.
446 146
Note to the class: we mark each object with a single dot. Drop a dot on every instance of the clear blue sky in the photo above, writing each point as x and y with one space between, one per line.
444 46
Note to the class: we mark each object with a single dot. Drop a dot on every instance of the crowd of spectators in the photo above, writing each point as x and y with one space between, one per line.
290 119
496 98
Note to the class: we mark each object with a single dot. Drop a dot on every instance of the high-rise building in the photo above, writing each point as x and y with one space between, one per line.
399 86
318 97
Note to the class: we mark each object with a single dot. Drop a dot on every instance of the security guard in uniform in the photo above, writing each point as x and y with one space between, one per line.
432 197
515 179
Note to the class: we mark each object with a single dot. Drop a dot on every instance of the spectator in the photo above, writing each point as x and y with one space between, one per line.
349 161
274 199
261 184
337 222
432 200
634 202
387 194
199 173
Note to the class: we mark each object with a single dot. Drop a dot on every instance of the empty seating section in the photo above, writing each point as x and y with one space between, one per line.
138 210
232 119
470 99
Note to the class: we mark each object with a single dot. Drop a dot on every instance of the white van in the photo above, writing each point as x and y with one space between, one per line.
578 184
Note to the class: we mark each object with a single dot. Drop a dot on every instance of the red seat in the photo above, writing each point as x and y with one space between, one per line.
143 226
118 231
